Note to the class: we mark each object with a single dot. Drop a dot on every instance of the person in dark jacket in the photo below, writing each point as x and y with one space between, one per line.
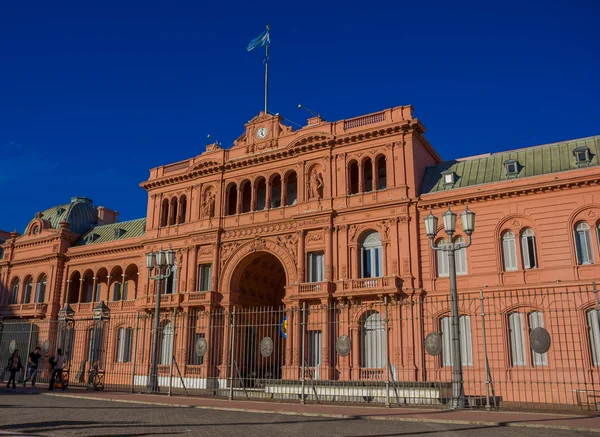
14 365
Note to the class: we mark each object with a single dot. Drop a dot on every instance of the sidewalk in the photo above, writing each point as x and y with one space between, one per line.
567 421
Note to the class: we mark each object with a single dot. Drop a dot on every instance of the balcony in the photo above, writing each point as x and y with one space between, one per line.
196 298
121 305
166 300
366 286
316 289
28 309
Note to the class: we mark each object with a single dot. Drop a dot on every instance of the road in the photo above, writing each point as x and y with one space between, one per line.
39 415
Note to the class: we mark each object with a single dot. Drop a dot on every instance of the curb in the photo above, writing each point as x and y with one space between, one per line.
339 416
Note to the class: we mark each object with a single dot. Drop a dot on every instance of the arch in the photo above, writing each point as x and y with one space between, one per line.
583 243
88 284
40 288
291 188
260 187
258 244
130 283
381 171
14 291
246 193
367 168
173 215
115 292
587 213
514 222
353 177
182 209
101 291
73 291
509 251
529 249
275 185
164 213
231 201
27 289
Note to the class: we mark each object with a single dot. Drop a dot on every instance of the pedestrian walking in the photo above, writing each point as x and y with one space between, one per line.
57 368
14 365
32 366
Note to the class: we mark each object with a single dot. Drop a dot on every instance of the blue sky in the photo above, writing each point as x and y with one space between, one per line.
94 94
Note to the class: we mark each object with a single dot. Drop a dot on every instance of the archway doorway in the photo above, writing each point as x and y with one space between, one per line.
257 289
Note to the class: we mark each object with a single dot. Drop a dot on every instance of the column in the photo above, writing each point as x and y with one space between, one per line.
193 268
328 253
301 257
94 289
80 290
361 181
283 190
215 267
355 352
375 181
288 367
344 362
354 256
268 195
108 289
325 372
252 197
66 296
238 200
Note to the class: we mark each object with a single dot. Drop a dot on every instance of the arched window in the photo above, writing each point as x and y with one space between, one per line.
246 192
232 200
124 336
261 194
593 324
583 244
528 249
381 173
164 213
442 260
291 189
374 354
371 256
353 177
173 218
40 291
182 208
117 291
166 344
466 342
368 174
460 258
509 251
276 191
27 289
14 295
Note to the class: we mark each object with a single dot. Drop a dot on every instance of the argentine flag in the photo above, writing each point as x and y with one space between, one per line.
259 41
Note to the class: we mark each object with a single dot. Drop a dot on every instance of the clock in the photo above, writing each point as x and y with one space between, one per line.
262 133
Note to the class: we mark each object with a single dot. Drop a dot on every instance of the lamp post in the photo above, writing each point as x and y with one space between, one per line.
66 319
101 314
163 264
468 224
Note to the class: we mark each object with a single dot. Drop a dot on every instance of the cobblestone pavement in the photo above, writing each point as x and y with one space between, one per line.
38 415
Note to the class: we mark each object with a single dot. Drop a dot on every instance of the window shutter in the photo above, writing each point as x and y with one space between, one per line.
594 336
525 252
536 320
466 341
517 345
446 341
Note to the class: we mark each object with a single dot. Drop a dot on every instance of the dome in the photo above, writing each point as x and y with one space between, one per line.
80 213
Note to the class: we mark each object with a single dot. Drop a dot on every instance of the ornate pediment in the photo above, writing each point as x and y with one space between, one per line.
262 133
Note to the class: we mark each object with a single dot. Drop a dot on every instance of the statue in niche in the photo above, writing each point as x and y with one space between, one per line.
208 206
315 185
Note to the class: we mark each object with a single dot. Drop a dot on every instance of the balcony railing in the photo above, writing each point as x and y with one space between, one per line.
165 299
372 374
28 309
384 283
121 304
314 287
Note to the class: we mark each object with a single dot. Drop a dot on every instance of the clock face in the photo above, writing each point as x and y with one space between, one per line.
261 133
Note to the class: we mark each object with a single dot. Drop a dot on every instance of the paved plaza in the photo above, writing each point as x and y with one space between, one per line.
31 414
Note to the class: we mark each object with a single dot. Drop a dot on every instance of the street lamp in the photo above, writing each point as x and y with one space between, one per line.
163 264
95 374
468 224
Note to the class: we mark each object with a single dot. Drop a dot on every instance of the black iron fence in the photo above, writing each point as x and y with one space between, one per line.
534 348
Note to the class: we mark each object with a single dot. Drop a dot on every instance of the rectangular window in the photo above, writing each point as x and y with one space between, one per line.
97 294
466 342
124 345
509 250
517 340
593 323
316 262
314 348
204 277
536 320
125 289
584 246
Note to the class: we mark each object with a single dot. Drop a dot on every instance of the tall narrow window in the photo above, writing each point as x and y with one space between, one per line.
246 192
509 251
381 173
316 262
232 194
168 285
291 189
460 258
368 174
124 336
204 277
353 177
536 320
371 256
125 289
466 342
14 296
27 289
97 293
276 191
517 340
261 194
40 292
442 260
314 348
164 213
583 244
173 218
166 344
117 295
593 324
374 355
528 249
182 209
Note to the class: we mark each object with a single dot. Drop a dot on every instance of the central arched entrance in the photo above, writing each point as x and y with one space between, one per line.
257 290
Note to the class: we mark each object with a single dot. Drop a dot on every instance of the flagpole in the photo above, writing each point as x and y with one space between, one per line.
267 72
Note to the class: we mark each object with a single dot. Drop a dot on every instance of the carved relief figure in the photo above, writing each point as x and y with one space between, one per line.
315 185
208 206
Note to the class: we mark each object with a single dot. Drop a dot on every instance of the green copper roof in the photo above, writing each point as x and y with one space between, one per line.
113 232
80 213
532 161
